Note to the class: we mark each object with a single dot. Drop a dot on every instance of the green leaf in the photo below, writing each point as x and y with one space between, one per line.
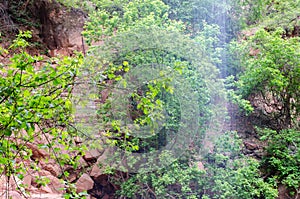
7 132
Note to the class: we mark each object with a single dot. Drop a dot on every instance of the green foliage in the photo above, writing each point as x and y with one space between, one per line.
235 97
266 13
228 15
124 16
232 175
170 49
174 73
284 14
208 40
241 179
71 192
141 35
138 35
275 64
156 57
172 181
32 107
253 10
274 71
267 64
283 156
227 174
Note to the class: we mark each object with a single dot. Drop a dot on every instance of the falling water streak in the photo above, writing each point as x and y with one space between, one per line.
218 121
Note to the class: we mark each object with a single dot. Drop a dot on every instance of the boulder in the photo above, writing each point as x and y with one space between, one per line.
106 196
84 183
103 158
46 196
36 152
82 163
51 166
11 195
200 166
98 175
96 171
55 185
11 184
283 192
250 145
46 189
27 182
91 155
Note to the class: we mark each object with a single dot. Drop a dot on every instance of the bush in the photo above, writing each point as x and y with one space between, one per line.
282 162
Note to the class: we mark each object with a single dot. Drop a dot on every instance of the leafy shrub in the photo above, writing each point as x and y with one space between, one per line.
32 108
282 162
227 174
230 174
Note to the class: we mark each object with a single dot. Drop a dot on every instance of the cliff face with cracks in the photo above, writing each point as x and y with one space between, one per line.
58 28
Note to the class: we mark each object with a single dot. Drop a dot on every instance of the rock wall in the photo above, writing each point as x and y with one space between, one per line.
6 23
60 27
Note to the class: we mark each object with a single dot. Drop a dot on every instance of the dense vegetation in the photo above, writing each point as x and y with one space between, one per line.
35 105
161 72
